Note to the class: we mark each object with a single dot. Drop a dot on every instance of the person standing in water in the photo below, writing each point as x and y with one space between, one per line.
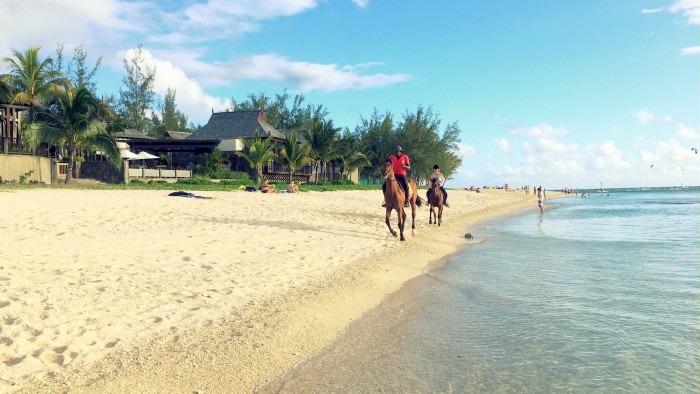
541 195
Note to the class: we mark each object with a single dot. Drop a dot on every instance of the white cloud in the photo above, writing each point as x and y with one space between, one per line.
190 97
690 51
647 117
539 131
673 151
504 171
466 173
567 166
178 41
503 144
218 19
551 146
689 8
305 76
644 116
96 24
649 157
606 157
361 3
686 132
464 150
110 23
651 11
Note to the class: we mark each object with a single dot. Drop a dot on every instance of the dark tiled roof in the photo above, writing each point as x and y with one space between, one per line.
235 124
131 133
178 135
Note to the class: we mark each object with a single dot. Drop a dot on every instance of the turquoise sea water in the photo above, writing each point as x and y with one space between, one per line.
600 294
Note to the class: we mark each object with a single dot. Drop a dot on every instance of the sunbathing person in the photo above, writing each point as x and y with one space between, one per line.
267 188
292 188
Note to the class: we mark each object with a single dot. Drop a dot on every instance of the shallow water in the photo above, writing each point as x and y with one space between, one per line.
600 294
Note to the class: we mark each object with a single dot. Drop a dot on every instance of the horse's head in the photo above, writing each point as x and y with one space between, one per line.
434 183
387 169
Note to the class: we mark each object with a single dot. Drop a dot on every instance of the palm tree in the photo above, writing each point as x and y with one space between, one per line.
31 78
259 152
294 155
350 158
74 119
211 162
5 91
322 137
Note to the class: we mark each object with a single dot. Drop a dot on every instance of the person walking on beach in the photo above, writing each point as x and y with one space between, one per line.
541 195
440 179
400 163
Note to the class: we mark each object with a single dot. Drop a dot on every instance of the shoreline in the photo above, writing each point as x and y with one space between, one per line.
268 332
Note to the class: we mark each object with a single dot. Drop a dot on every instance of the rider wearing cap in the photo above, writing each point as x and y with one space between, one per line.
400 163
440 179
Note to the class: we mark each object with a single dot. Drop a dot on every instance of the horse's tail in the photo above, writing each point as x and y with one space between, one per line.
419 202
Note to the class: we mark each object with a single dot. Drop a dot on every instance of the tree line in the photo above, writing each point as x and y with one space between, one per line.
54 87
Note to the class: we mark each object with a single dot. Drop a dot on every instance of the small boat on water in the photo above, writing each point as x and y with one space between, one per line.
602 190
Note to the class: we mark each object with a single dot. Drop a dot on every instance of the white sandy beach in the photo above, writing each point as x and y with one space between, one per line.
136 291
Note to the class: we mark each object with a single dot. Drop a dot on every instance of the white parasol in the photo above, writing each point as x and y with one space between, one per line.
129 155
144 156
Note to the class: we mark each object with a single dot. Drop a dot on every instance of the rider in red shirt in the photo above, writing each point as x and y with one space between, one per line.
401 163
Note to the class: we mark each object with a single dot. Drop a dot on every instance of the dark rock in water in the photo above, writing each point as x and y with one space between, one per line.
468 236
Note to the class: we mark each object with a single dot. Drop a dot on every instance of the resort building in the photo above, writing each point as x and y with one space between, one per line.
17 161
175 155
234 127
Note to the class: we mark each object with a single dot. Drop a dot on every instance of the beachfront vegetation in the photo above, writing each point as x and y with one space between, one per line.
31 78
258 152
169 117
5 92
36 81
322 137
74 119
210 163
372 141
350 156
294 155
137 96
195 184
76 70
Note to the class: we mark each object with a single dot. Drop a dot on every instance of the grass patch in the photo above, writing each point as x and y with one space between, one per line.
194 184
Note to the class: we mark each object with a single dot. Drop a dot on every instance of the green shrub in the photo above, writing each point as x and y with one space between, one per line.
235 182
195 181
343 182
234 175
23 178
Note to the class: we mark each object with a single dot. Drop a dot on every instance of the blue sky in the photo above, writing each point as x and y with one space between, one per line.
551 93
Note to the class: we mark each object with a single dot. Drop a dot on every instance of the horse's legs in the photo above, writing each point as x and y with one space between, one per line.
430 214
402 221
388 222
413 217
439 217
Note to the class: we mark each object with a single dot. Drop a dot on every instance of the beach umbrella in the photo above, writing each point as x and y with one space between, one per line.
144 156
129 155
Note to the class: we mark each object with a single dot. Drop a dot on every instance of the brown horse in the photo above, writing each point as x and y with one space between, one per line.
436 200
394 198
